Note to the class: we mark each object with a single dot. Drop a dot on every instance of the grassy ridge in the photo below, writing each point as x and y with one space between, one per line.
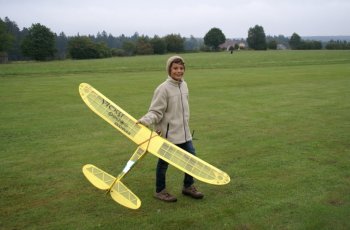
277 122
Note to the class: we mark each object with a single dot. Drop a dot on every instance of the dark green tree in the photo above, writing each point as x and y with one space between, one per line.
81 47
39 44
175 43
214 38
144 46
103 50
6 41
338 45
158 44
295 41
14 51
129 47
101 37
6 38
257 38
61 45
272 45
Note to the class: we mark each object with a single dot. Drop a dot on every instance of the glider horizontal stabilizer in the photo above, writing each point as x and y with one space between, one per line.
118 191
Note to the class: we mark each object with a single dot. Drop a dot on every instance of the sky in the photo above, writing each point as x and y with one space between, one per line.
184 17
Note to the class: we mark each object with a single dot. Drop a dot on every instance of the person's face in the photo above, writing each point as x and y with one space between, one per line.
177 71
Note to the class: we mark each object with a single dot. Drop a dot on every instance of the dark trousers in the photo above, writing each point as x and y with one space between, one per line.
162 167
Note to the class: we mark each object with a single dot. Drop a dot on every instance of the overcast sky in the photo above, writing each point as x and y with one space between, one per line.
184 17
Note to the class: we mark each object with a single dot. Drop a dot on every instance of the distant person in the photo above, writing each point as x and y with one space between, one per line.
169 111
231 49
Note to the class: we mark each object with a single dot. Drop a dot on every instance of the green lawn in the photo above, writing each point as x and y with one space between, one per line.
278 122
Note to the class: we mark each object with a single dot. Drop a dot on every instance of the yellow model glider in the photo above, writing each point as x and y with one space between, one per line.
147 141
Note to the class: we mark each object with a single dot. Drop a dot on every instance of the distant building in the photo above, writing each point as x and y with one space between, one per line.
281 47
227 44
233 43
242 45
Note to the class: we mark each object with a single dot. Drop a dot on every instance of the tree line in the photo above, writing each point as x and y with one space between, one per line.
39 43
258 41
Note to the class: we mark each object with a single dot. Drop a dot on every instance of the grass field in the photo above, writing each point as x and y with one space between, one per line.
277 122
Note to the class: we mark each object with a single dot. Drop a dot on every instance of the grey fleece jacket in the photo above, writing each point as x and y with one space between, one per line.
169 111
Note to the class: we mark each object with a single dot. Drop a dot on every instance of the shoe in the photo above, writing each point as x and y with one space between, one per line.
192 192
165 196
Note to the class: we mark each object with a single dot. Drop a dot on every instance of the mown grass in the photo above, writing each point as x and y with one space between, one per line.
277 122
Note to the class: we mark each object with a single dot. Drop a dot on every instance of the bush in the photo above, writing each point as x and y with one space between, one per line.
272 45
338 45
118 53
84 48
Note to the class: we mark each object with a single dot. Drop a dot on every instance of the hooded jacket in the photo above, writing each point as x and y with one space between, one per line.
169 111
